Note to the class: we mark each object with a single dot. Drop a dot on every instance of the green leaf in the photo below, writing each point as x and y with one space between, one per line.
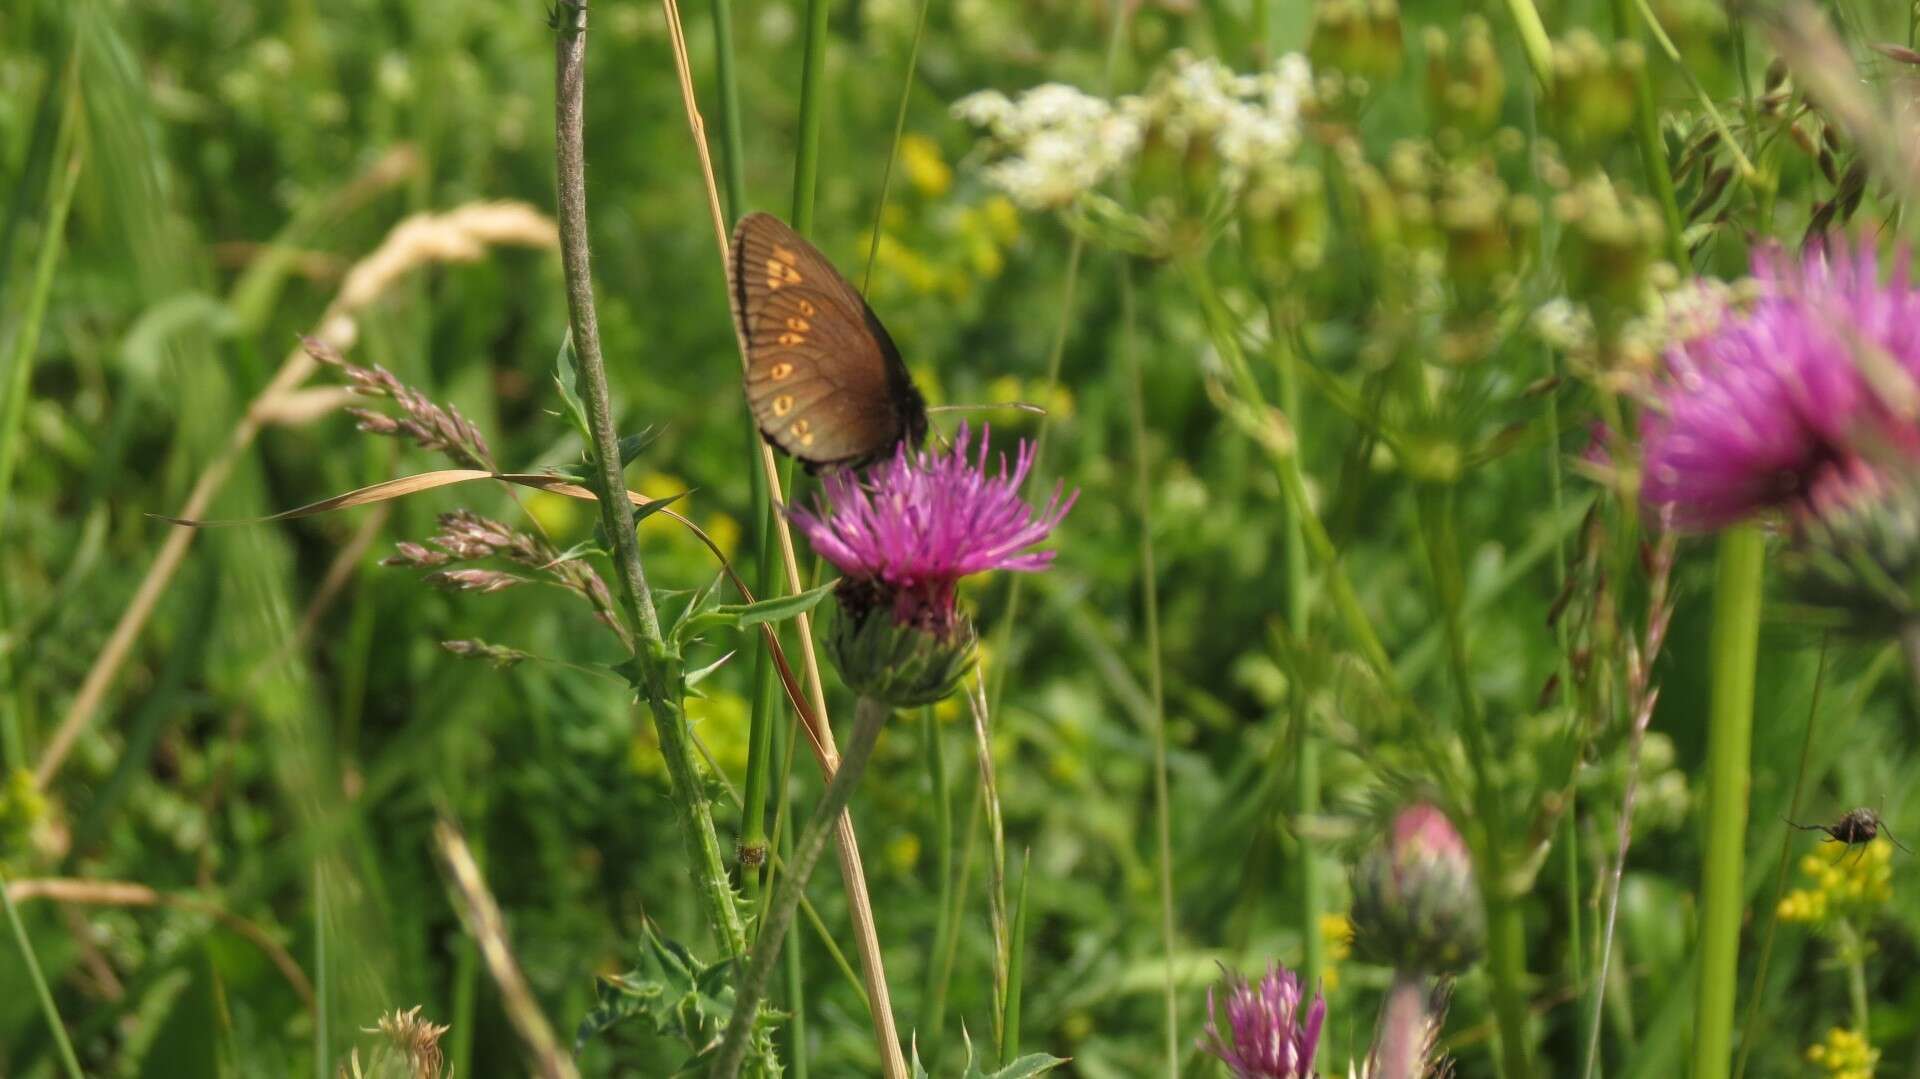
566 376
746 615
1031 1064
631 446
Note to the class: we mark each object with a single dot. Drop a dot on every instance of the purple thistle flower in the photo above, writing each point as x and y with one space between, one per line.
921 520
1266 1037
1783 405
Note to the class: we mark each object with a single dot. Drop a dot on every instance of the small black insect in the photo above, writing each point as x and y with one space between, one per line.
1855 828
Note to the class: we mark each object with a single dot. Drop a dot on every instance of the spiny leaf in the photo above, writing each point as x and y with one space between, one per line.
566 376
746 615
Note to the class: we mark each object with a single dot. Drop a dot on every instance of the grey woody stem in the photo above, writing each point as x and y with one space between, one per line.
659 669
869 717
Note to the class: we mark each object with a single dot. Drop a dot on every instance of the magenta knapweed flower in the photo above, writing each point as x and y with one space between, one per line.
918 522
1266 1036
1782 405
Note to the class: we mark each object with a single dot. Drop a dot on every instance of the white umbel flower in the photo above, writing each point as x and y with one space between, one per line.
1055 142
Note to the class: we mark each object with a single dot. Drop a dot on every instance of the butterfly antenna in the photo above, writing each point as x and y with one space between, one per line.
1015 406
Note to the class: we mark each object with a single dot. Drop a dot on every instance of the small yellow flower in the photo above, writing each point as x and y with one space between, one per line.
1337 931
926 170
1844 1055
903 852
724 531
1336 937
1845 880
21 807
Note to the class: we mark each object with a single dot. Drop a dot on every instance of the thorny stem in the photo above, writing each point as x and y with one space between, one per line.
868 718
658 668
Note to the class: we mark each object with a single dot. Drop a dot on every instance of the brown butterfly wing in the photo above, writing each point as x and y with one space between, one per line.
824 381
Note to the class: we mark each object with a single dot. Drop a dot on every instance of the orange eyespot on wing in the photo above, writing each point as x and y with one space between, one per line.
824 380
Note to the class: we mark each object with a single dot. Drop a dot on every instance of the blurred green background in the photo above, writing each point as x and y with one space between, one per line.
281 734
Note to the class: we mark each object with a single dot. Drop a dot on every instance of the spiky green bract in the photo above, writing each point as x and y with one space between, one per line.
903 665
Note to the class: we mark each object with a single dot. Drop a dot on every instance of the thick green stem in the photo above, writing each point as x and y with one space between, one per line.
1734 645
659 670
732 156
806 164
1506 930
868 718
1533 38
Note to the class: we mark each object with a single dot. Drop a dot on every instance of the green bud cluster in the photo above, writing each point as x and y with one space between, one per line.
1611 244
1359 38
1590 90
1465 86
1284 221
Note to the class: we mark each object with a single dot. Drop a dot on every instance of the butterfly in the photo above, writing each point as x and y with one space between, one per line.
825 382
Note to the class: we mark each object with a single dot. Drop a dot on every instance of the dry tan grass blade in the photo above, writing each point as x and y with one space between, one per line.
121 893
388 490
460 235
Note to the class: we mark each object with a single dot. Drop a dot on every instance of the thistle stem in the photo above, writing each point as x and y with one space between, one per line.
868 718
1734 644
659 670
1403 1028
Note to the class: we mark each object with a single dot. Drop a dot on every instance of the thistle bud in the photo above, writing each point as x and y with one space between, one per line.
1415 905
1856 549
902 664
